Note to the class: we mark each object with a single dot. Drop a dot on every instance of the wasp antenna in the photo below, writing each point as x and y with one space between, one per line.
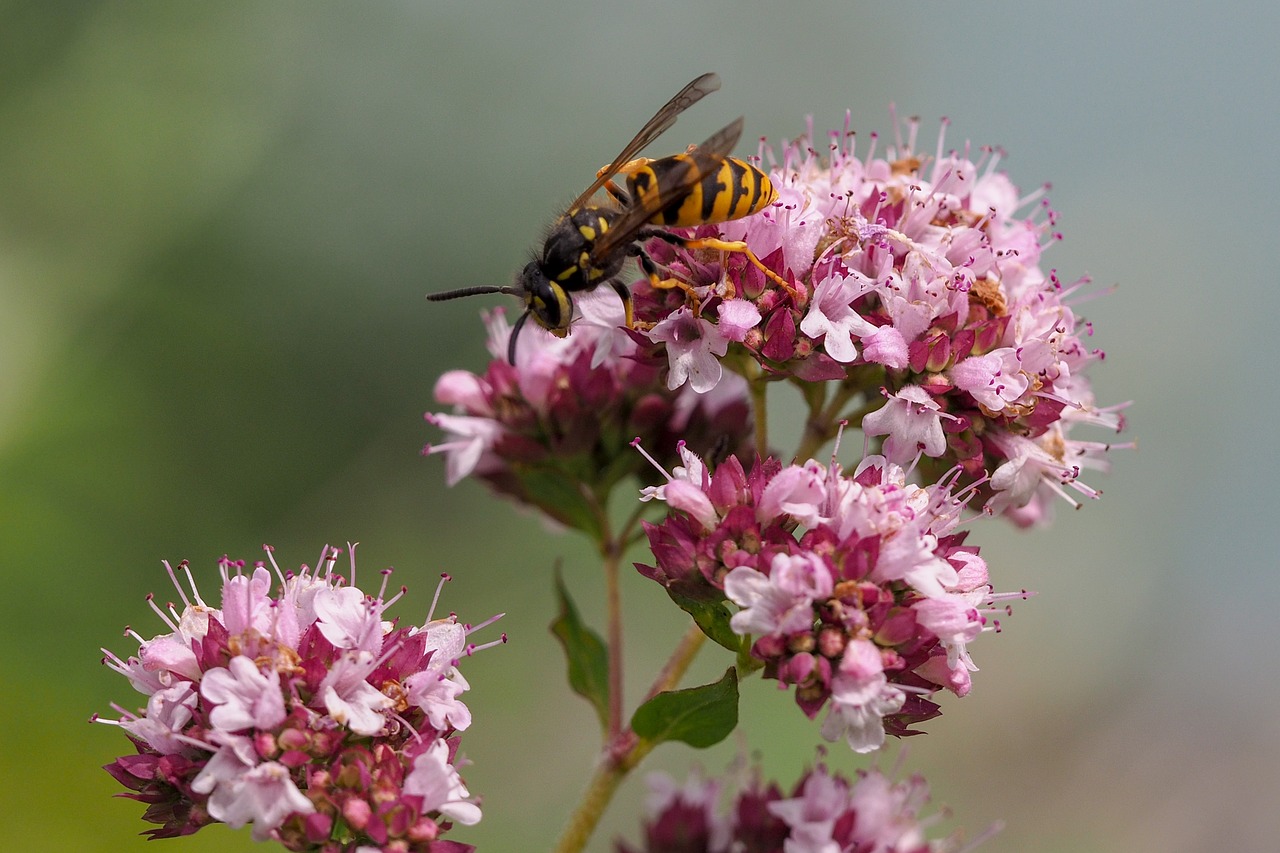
468 291
515 333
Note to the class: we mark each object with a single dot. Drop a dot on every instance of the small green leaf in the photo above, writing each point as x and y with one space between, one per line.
699 716
561 497
711 616
585 652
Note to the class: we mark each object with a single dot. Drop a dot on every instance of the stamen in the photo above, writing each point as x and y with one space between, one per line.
164 617
635 442
445 577
481 647
351 557
486 623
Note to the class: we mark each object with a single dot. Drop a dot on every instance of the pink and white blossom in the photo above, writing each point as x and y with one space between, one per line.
694 346
314 715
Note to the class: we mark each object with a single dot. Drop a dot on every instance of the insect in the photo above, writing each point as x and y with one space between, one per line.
589 243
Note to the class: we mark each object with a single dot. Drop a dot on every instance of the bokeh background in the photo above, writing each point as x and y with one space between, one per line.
217 223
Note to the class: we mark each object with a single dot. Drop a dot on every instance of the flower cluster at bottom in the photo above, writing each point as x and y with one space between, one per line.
826 813
306 714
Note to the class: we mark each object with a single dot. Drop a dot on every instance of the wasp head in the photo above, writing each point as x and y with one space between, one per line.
546 300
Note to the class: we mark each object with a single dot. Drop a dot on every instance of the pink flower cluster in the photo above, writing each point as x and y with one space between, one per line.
826 813
858 590
563 417
914 278
307 715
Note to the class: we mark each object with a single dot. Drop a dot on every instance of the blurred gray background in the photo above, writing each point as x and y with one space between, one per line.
217 223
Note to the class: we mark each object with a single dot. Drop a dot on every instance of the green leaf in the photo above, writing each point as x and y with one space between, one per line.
699 716
561 497
585 652
711 616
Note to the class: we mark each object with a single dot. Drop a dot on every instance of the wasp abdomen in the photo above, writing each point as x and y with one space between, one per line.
731 191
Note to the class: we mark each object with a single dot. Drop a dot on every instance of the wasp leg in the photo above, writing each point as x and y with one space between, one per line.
722 246
741 247
629 168
653 272
626 170
618 194
625 295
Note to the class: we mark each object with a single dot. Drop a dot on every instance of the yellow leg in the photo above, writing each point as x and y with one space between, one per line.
691 295
741 247
653 272
628 168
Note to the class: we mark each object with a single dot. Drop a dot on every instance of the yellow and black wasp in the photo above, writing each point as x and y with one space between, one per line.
589 243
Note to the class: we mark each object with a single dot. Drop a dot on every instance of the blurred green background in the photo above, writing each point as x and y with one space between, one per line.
217 223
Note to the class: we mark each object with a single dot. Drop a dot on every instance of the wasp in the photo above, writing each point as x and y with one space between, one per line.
589 243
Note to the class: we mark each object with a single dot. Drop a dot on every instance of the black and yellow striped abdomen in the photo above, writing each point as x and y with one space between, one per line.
733 190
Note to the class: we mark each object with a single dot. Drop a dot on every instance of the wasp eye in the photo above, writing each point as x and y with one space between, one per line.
551 306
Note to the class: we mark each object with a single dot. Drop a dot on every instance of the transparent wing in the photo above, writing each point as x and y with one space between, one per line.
655 127
690 169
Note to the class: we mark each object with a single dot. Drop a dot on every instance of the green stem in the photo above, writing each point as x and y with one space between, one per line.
678 664
612 554
603 785
624 753
628 535
759 389
823 421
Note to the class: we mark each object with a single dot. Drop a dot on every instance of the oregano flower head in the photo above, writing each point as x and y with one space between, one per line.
306 714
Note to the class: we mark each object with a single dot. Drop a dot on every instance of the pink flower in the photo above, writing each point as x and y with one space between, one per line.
920 260
570 407
434 779
956 621
263 795
473 440
780 602
861 697
348 620
692 347
244 696
887 813
348 696
169 711
831 574
812 815
911 420
246 605
996 380
736 318
322 718
436 689
826 812
799 491
912 556
832 316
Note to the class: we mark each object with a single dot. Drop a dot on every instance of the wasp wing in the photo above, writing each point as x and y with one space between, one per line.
655 127
688 172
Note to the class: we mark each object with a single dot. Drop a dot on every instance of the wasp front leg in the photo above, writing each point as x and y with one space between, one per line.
628 310
627 170
654 273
